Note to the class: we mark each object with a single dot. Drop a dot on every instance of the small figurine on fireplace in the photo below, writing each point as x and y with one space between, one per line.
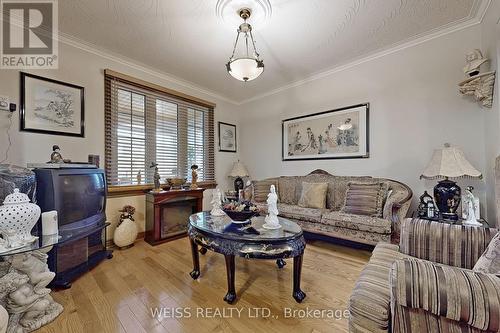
156 177
194 177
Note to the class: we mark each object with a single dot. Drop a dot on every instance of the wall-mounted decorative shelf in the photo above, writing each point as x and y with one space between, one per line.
480 87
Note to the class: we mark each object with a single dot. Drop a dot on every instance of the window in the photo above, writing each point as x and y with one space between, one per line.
145 125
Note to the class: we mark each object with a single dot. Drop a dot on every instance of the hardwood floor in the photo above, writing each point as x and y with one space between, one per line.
119 294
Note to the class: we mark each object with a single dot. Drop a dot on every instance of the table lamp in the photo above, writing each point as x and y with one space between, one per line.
238 171
449 162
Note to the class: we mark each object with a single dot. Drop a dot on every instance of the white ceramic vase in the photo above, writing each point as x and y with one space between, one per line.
19 215
125 233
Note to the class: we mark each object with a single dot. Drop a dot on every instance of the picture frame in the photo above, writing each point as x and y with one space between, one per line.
227 137
335 134
52 107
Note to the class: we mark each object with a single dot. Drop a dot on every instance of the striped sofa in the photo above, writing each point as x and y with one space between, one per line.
426 283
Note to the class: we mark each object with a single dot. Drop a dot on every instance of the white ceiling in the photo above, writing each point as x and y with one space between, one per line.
186 39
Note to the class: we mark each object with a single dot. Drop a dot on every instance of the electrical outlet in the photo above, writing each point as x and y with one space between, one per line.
4 103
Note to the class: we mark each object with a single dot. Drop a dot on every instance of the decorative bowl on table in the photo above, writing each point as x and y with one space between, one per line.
240 211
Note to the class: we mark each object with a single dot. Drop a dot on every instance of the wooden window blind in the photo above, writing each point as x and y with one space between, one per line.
144 125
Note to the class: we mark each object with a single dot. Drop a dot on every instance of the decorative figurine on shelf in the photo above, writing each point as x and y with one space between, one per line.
156 177
427 207
126 231
194 177
478 85
56 156
216 203
469 207
139 177
271 218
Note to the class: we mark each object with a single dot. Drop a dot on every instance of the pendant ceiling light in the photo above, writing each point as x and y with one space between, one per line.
248 66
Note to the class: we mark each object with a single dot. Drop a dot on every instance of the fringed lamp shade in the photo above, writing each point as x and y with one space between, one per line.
450 162
238 171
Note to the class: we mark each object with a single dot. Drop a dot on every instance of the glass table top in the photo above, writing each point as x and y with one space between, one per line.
46 241
223 226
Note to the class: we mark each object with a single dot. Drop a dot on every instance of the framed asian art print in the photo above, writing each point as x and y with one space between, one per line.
227 137
51 107
339 133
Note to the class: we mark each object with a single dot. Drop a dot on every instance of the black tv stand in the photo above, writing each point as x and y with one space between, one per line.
78 251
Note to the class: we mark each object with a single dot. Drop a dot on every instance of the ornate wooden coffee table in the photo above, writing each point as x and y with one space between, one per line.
220 235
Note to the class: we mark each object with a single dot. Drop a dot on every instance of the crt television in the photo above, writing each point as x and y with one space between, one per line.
77 194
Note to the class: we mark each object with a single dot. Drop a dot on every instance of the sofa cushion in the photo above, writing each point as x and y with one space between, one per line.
313 195
340 188
300 213
369 305
357 222
489 262
365 198
261 188
287 186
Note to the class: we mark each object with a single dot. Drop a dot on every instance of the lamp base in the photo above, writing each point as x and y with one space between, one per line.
447 195
238 184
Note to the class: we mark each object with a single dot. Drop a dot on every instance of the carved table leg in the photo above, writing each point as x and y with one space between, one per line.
231 293
298 294
203 250
195 273
281 263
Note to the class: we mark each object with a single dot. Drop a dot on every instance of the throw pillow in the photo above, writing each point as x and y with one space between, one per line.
261 189
489 262
365 199
313 195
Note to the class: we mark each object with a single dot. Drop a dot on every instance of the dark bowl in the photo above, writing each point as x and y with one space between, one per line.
240 216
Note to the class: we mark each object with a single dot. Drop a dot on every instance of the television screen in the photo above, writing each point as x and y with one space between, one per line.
81 196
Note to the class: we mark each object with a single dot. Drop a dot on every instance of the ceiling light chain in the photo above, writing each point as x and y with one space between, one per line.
245 68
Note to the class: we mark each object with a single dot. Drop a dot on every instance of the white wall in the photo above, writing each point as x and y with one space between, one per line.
490 46
415 107
86 69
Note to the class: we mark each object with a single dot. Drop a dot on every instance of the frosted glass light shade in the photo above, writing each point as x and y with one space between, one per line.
245 69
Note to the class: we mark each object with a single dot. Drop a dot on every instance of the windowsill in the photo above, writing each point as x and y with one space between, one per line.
132 190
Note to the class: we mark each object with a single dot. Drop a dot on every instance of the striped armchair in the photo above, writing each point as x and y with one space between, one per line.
426 283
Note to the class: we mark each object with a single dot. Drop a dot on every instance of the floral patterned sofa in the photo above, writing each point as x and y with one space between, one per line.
331 221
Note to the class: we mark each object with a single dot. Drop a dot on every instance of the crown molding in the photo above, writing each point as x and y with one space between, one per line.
99 51
467 22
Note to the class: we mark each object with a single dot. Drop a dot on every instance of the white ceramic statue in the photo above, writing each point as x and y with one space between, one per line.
471 212
216 204
271 219
23 291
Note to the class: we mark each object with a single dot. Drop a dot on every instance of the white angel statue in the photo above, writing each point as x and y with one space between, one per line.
271 219
216 204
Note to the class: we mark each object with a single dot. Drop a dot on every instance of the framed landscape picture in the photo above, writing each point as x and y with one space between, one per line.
339 133
51 107
227 137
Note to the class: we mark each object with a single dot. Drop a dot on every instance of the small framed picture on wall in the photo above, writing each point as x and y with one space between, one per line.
51 107
227 137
